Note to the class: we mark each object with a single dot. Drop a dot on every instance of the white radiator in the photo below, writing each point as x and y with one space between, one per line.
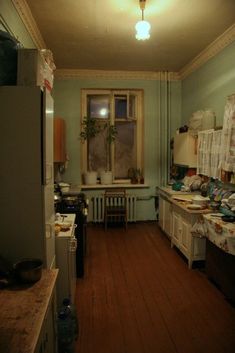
98 208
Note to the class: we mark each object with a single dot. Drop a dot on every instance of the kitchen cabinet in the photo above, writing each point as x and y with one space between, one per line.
192 247
47 338
165 215
185 150
59 141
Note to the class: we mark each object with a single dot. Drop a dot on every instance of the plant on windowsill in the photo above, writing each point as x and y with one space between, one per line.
135 175
110 133
90 129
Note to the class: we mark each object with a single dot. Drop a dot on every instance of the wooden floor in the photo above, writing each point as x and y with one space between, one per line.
138 296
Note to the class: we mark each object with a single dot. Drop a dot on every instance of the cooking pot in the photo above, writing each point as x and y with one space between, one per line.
28 270
64 187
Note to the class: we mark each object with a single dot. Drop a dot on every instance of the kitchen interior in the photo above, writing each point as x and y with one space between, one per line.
163 280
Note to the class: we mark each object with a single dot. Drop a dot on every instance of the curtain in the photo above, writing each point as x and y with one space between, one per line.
227 155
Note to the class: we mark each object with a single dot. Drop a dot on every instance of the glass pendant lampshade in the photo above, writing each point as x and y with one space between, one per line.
142 27
142 30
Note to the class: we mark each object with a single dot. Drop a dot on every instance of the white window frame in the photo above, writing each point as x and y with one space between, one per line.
139 122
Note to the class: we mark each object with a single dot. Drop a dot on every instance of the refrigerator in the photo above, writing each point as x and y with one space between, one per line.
26 174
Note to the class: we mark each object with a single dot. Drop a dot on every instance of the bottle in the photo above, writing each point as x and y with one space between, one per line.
67 304
65 328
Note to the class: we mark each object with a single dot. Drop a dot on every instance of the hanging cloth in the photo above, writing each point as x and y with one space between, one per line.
227 151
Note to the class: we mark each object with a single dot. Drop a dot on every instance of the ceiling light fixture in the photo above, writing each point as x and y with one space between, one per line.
142 27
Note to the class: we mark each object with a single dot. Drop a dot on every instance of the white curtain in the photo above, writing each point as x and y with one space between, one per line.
204 152
208 156
227 155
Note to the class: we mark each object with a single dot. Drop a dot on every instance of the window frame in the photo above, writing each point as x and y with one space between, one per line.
139 108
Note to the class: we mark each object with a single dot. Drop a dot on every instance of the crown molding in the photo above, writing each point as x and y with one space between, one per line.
115 75
209 52
26 15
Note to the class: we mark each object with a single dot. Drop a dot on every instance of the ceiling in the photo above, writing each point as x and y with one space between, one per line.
100 35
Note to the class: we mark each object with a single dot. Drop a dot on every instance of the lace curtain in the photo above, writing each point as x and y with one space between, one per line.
227 156
208 157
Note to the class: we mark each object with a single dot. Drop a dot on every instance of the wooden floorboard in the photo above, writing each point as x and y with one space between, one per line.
138 296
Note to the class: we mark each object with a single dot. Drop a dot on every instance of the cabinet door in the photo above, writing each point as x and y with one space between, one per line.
168 218
59 140
47 339
49 333
161 212
177 230
185 237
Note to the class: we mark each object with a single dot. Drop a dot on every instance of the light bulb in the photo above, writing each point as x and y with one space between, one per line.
142 29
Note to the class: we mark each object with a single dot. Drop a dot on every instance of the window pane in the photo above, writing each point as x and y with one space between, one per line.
132 113
98 106
97 156
120 107
125 149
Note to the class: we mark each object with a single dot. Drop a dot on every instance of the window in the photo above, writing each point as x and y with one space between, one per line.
122 109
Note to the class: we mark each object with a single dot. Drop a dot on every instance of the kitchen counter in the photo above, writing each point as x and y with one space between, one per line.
23 310
183 205
168 190
182 199
66 218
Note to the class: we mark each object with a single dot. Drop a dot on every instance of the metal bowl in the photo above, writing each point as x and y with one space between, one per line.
28 270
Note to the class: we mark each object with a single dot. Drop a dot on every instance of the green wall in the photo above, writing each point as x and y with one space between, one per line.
14 22
208 86
67 95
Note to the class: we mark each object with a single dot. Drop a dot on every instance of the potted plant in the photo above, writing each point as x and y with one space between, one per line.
135 175
90 128
110 132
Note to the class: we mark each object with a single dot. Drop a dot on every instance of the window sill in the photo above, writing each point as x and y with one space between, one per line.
115 185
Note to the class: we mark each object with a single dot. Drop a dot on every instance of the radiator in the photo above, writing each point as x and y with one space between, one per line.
98 208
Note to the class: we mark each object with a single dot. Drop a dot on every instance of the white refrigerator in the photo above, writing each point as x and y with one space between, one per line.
26 174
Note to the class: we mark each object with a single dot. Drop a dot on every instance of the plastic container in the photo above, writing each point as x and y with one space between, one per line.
65 326
67 304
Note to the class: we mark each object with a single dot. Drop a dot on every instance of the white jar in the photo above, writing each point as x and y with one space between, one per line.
90 178
106 178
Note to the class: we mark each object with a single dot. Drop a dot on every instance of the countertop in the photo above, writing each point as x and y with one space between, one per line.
68 218
23 309
168 190
183 206
172 196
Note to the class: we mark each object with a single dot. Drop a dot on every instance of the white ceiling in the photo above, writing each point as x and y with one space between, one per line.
100 35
